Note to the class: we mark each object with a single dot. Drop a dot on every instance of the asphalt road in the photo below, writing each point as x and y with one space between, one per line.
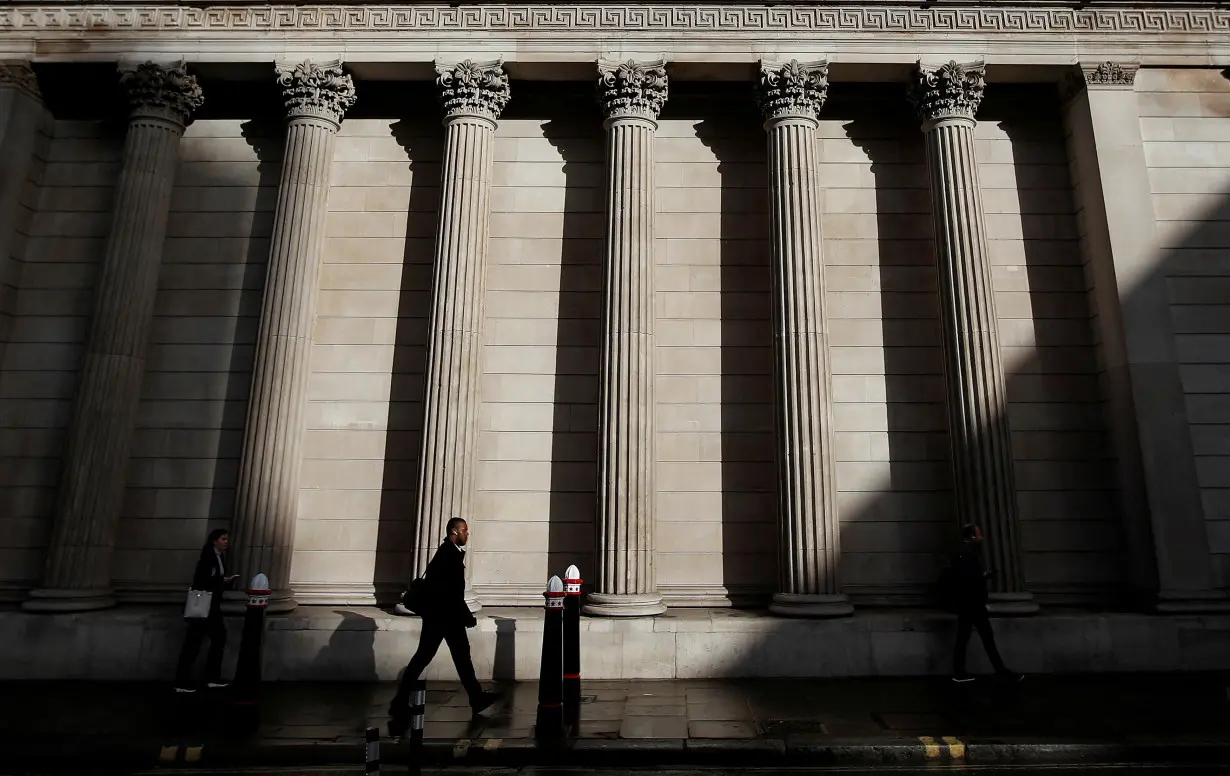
1001 770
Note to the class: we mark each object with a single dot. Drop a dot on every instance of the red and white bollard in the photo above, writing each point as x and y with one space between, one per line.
572 648
246 689
549 727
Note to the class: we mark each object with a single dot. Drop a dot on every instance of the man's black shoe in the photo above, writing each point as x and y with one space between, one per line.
484 702
962 678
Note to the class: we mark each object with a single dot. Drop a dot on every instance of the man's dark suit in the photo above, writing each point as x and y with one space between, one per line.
445 618
970 598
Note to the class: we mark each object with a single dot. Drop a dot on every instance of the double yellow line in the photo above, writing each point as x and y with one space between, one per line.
946 748
170 754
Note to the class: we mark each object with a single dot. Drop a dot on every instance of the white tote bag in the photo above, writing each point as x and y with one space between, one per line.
197 606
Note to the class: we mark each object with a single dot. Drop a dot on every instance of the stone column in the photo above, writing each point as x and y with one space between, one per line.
791 96
317 96
24 133
632 95
78 572
1168 559
946 98
472 96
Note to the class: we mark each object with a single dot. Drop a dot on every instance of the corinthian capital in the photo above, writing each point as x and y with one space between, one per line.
316 90
19 75
632 89
473 88
951 90
791 89
161 91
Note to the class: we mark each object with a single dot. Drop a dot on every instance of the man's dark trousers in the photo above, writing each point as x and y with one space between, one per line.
434 632
969 618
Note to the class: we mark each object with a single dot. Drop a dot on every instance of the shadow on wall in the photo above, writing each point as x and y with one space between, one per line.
1048 373
350 651
396 537
916 501
573 528
266 137
746 437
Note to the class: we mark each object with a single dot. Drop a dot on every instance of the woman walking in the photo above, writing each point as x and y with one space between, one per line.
210 577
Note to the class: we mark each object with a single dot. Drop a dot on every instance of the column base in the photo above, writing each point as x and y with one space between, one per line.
607 605
1190 602
801 605
51 600
1011 604
280 602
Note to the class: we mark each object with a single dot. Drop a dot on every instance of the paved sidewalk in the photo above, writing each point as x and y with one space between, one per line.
857 721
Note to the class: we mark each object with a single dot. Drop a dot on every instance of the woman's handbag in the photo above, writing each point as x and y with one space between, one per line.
197 605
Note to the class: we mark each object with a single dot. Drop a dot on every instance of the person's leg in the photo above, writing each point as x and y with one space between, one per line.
983 623
459 647
215 628
964 626
429 643
188 653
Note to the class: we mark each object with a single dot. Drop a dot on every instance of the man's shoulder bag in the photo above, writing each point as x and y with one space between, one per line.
415 599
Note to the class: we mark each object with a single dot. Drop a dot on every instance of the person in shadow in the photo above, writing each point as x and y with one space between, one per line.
210 576
439 599
968 580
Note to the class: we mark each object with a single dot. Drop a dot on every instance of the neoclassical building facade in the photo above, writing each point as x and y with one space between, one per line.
744 310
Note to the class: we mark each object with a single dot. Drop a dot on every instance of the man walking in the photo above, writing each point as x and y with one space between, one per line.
445 618
969 594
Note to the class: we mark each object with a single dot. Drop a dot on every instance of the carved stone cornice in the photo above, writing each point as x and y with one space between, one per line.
632 89
1099 75
166 92
950 90
792 89
1110 73
694 19
316 90
473 88
20 76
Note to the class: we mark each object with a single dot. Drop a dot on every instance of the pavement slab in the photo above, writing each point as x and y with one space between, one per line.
904 721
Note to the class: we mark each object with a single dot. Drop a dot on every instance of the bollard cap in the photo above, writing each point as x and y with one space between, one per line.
259 582
555 593
572 581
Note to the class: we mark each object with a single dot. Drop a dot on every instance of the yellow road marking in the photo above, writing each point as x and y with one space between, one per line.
167 753
956 749
930 748
192 753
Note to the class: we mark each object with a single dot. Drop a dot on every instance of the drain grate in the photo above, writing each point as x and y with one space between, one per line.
775 728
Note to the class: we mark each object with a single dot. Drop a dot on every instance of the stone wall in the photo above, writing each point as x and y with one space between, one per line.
1185 124
64 241
185 452
538 438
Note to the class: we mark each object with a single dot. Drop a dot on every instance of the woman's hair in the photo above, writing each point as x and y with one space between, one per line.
207 552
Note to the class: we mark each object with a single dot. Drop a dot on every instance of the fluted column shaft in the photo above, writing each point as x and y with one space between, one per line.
985 488
626 584
473 96
267 493
77 576
791 97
